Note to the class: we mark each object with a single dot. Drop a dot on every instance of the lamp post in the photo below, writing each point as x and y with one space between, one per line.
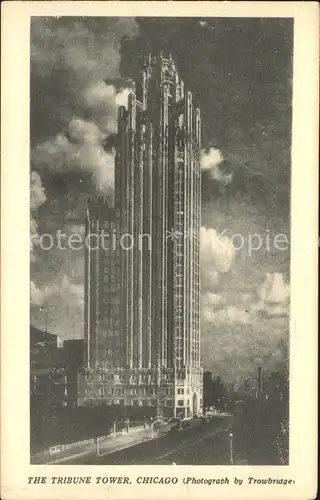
127 422
231 447
97 446
151 428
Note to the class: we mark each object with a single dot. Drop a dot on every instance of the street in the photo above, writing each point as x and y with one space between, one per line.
199 445
255 441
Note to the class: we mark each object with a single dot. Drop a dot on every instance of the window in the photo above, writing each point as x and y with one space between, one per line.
180 402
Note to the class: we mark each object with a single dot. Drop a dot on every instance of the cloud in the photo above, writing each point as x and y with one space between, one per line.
232 314
212 299
211 160
65 289
84 132
37 198
274 296
81 149
245 297
60 308
101 101
71 63
71 59
238 337
62 289
274 290
122 96
229 315
36 295
234 347
76 87
273 303
210 302
37 191
217 255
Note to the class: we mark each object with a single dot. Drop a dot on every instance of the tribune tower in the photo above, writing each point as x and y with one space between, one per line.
158 202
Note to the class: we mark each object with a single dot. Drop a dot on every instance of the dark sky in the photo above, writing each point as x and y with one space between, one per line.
240 73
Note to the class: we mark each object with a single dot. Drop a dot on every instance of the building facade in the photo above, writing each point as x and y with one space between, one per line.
155 359
102 287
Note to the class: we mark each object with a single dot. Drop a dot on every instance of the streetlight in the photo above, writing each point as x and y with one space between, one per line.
97 446
151 428
127 422
231 447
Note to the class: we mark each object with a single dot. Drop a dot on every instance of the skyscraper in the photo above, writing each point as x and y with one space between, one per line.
158 202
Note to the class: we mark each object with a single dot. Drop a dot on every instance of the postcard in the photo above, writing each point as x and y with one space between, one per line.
159 250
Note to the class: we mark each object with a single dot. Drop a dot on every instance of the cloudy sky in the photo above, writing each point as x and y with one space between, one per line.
240 72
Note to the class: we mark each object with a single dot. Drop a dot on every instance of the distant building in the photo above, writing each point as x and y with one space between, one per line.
38 338
73 353
45 351
213 389
142 299
48 377
73 363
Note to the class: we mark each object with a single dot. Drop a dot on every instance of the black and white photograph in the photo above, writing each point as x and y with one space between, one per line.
159 250
160 240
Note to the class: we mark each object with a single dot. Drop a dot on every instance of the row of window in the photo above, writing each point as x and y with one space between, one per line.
134 379
181 390
108 391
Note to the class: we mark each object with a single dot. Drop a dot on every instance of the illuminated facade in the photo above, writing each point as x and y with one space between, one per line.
157 211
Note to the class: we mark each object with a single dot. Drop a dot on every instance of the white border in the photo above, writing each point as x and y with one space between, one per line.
15 263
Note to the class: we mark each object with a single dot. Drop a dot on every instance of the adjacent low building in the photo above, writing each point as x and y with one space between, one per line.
54 368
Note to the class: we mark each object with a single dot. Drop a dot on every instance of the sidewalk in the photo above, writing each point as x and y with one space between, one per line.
106 445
